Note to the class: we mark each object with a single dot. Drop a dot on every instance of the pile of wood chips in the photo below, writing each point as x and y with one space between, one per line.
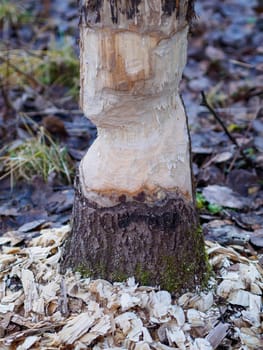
41 309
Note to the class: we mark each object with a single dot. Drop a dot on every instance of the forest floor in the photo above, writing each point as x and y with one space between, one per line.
43 136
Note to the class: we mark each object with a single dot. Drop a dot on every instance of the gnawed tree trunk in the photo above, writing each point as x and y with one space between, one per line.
133 211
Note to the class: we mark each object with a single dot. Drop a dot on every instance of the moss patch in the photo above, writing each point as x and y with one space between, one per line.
180 276
209 272
119 276
143 276
85 271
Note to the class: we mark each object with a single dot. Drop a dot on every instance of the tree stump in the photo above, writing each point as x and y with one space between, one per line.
160 243
134 211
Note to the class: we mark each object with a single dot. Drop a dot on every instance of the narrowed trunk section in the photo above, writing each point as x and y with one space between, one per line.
133 212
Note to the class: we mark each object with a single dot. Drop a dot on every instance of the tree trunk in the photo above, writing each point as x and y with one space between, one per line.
134 213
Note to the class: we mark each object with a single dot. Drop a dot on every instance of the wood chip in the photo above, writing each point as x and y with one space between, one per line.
217 334
28 342
41 309
100 329
176 336
30 290
202 302
4 323
201 344
77 327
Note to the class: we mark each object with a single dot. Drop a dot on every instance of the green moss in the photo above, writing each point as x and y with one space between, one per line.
83 270
179 276
203 258
143 276
170 279
176 276
119 276
208 272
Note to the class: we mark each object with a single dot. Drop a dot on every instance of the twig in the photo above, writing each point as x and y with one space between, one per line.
54 110
245 65
205 103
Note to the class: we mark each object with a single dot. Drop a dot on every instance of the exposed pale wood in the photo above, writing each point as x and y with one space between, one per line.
32 301
76 327
131 66
129 89
28 342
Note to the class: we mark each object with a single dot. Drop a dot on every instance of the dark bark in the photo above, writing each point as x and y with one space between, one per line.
159 244
90 9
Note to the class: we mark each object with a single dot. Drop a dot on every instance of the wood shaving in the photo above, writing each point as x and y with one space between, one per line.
41 309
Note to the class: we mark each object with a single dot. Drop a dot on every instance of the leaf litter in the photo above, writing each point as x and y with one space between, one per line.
42 309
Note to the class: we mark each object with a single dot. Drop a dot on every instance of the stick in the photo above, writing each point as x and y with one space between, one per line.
205 103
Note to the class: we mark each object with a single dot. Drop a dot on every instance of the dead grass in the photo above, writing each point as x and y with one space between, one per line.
38 155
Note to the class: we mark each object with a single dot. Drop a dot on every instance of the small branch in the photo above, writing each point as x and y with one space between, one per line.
245 65
205 103
54 110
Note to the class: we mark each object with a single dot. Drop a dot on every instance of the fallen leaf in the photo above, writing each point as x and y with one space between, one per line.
224 197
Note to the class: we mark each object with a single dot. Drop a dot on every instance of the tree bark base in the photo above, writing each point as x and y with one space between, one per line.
160 244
